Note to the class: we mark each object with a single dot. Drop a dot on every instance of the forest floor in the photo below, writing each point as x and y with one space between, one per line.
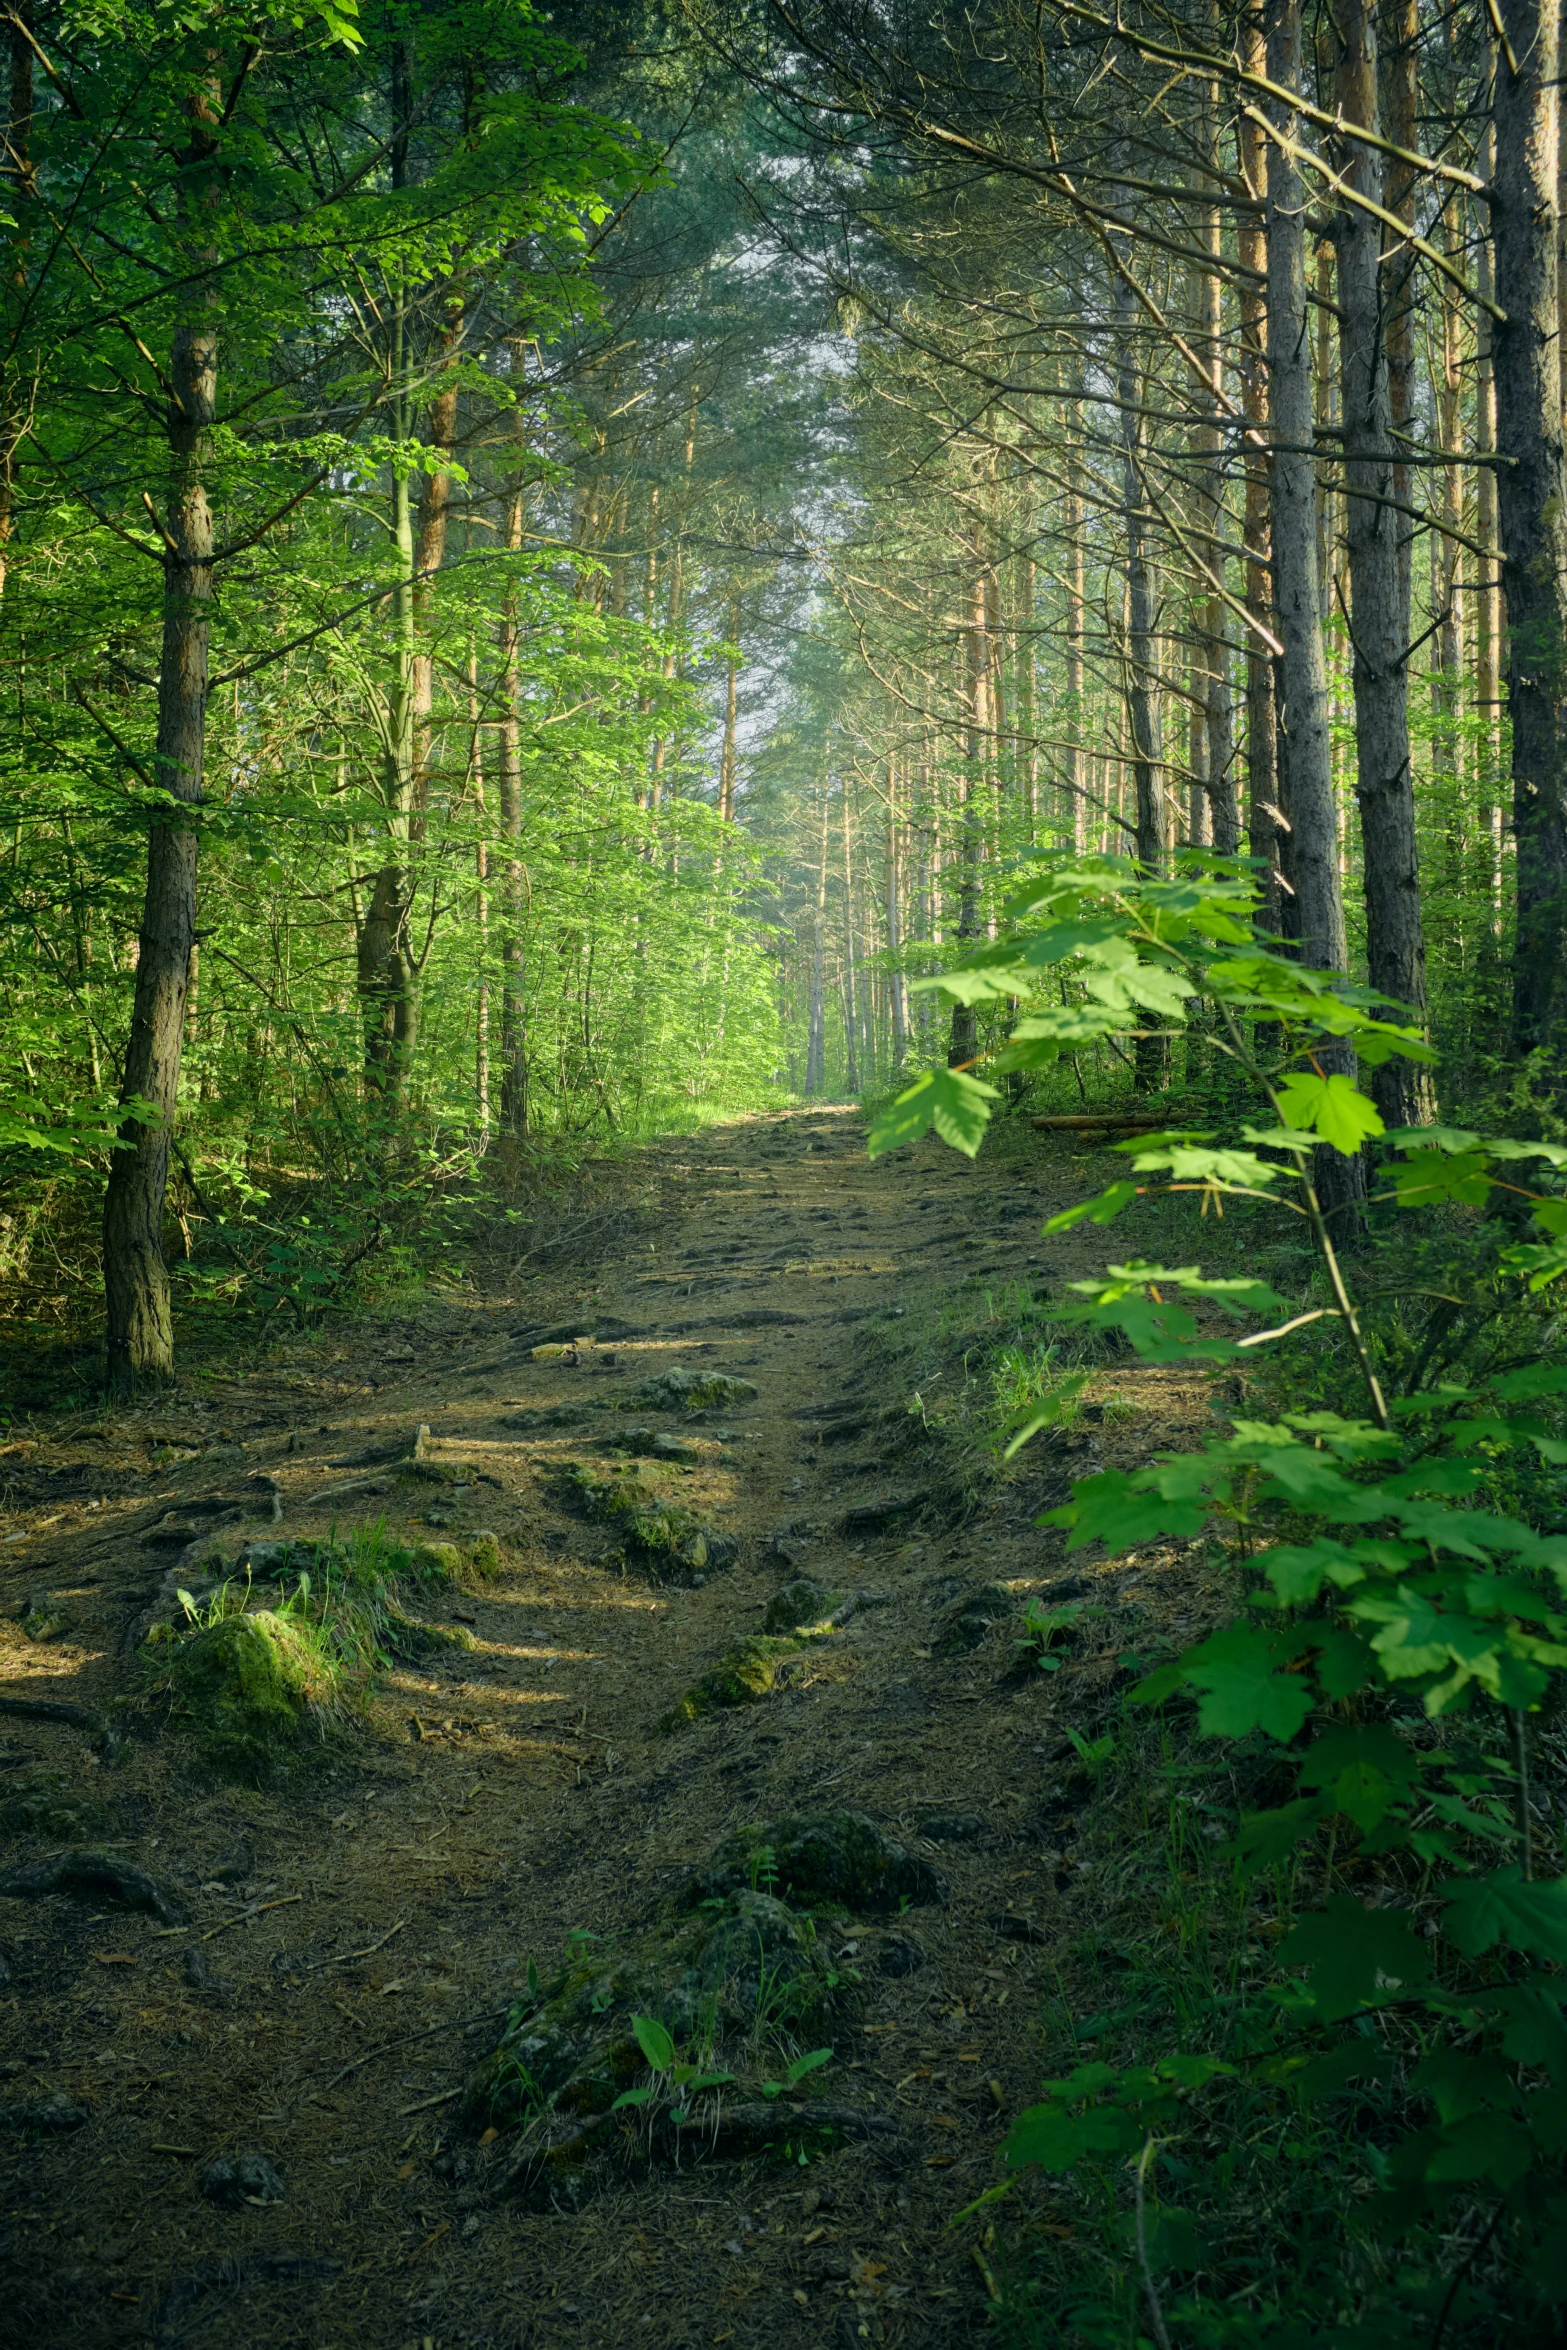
353 1941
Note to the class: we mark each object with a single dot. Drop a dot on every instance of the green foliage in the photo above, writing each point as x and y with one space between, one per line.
1395 1624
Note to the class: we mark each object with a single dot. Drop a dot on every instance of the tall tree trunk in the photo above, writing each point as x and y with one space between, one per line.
726 765
897 995
851 1016
816 1028
1218 715
1395 946
1532 504
1262 784
1488 596
1314 847
17 176
1152 823
140 1332
514 1009
387 973
1399 78
963 1037
1076 615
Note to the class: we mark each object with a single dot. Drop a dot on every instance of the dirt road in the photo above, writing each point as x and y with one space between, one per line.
350 1944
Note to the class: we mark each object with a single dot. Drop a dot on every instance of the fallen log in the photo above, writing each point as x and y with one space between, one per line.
1107 1121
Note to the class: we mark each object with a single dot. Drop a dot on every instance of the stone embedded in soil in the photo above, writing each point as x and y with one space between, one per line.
237 2179
968 1626
898 1956
836 1859
43 2116
93 1876
731 1986
689 1391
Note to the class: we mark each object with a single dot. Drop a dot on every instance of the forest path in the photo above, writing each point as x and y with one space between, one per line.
354 1940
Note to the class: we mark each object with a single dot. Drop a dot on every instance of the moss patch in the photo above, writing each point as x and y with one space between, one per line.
253 1693
739 1989
663 1536
798 1603
689 1391
752 1670
837 1859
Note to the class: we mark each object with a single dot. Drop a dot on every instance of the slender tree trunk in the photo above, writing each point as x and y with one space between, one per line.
387 975
1218 716
726 767
1314 847
1395 946
1262 784
850 997
17 177
896 990
140 1334
963 1039
514 1008
1152 820
1400 102
1488 597
1532 503
1076 612
816 1032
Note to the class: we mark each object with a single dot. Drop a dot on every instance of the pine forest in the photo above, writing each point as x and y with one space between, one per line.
685 688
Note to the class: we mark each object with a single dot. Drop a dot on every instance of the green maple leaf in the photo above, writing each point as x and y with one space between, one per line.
1350 1950
1244 1692
1331 1107
1505 1908
958 1106
1362 1773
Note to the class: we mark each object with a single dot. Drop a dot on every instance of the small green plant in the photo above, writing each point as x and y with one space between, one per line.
796 2072
1042 1626
671 2078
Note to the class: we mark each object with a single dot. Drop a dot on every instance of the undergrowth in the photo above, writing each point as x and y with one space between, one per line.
1326 2101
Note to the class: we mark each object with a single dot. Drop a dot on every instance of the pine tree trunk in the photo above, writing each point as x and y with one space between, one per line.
1395 947
140 1334
1303 718
1532 505
1262 783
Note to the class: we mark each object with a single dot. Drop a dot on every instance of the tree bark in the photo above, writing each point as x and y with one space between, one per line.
1314 846
1395 946
1532 504
963 1036
140 1333
1262 783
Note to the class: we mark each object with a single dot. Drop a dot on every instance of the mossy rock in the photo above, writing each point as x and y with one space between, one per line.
968 1626
736 1988
670 1541
43 1807
838 1860
799 1603
46 1618
689 1391
484 1554
253 1692
749 1672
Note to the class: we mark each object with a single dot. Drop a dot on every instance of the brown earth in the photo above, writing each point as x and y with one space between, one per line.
355 1939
